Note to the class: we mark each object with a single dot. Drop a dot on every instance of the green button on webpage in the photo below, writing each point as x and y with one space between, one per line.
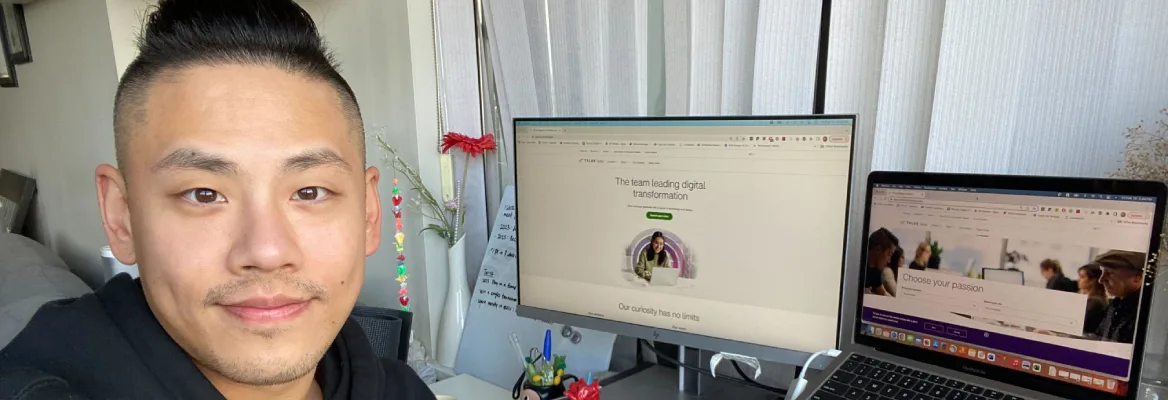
664 216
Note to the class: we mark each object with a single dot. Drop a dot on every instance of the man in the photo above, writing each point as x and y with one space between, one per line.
921 257
881 244
1052 271
242 194
1123 278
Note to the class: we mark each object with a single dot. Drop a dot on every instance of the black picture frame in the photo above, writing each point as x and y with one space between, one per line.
16 31
7 66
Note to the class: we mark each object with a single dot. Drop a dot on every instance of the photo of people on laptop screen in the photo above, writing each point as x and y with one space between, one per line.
1033 278
1107 282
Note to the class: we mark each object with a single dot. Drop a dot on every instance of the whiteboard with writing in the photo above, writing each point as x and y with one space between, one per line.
486 351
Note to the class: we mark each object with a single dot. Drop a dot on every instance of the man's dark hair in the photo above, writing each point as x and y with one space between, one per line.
882 238
1051 265
184 33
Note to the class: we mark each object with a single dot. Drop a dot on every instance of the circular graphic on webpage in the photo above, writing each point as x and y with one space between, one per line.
658 257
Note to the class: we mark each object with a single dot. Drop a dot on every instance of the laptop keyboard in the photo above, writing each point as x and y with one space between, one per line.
865 378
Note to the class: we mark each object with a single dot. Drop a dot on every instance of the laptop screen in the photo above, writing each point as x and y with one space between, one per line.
1046 283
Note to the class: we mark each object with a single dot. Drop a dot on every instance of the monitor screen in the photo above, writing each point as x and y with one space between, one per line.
1072 320
709 227
1013 275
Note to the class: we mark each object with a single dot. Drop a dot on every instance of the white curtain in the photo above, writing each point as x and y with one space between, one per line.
1043 87
995 86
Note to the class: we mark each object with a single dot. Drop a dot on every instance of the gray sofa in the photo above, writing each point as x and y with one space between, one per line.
30 275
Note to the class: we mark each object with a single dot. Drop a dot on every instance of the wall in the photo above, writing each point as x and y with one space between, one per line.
125 20
57 126
374 41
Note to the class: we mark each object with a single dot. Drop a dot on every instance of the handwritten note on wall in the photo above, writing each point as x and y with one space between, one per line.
485 351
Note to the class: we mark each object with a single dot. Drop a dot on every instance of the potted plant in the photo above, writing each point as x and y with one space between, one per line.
1013 258
1145 157
935 257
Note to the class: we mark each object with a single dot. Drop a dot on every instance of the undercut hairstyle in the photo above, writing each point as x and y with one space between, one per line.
181 34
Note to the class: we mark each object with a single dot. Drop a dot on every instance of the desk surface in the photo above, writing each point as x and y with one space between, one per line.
656 383
660 383
466 387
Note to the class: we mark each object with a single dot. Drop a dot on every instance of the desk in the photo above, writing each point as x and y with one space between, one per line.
660 383
466 387
655 383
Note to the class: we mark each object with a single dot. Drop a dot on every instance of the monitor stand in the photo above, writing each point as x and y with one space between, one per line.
654 382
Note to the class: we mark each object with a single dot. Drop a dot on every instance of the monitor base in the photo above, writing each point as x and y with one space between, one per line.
655 382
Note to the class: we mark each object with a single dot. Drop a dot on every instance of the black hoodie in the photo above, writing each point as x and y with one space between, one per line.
108 345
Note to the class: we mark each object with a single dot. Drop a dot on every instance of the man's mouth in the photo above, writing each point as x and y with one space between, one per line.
267 310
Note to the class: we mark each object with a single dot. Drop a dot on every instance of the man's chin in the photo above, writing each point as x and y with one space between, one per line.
264 368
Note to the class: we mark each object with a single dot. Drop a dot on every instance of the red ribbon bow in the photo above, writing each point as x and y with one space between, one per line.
579 390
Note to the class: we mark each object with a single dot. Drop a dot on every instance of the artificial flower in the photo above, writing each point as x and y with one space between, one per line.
473 147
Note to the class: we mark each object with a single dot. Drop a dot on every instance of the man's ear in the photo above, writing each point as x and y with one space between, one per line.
113 201
372 211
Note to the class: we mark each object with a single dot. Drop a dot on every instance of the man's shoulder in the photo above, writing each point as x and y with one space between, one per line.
73 341
55 323
22 383
403 383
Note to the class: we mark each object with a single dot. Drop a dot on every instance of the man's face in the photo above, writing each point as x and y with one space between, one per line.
250 214
1120 282
880 256
1047 273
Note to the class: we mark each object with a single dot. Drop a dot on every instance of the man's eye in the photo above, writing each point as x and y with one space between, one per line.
313 193
203 196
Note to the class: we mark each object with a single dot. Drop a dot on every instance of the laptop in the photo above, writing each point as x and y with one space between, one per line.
941 335
664 276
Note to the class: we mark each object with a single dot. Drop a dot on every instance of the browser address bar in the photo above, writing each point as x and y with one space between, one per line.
965 204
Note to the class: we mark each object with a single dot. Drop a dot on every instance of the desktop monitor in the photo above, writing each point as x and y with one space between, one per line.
720 233
1075 345
1014 276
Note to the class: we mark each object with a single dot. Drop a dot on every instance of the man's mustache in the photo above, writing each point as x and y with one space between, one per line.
267 283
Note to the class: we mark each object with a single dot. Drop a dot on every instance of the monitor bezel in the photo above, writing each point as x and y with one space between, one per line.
779 355
1018 182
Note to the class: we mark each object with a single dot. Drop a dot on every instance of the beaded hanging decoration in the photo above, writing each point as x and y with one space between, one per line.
399 238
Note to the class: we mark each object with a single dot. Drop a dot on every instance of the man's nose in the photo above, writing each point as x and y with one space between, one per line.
266 240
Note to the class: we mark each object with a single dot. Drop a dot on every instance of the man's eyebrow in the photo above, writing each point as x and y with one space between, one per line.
197 160
315 158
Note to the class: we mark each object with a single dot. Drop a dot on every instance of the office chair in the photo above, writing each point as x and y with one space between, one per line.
388 330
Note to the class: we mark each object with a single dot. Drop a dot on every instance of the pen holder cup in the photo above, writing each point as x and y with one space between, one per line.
546 392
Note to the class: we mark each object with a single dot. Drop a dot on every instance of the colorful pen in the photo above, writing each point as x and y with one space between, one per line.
548 368
547 346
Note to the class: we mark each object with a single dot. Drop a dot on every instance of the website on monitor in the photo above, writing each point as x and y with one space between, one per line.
729 229
1047 283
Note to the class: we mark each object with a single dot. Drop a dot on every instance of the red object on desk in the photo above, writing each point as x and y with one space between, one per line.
579 390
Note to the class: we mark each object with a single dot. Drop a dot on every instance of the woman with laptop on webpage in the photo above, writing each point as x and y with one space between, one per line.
654 256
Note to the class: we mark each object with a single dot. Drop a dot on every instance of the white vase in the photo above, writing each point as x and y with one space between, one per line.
457 303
